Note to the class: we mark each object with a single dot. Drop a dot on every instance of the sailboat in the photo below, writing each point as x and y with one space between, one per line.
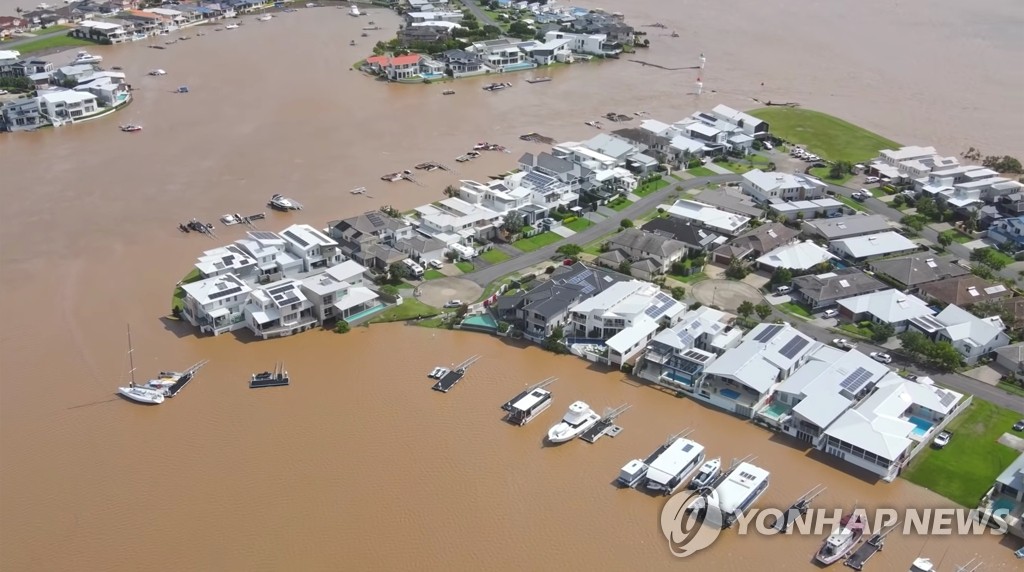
134 392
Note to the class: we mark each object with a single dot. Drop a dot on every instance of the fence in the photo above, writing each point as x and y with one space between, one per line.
936 429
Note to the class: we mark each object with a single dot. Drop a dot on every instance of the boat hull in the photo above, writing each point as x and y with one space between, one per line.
563 432
146 397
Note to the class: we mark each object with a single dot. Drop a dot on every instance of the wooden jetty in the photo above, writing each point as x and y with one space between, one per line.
539 385
605 426
454 376
797 509
873 546
187 376
277 378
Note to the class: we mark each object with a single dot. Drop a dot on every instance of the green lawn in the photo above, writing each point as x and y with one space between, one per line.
701 172
432 274
826 136
465 267
966 468
619 204
409 308
691 279
957 236
539 241
855 205
1011 388
494 256
178 298
822 173
795 309
855 330
649 187
999 255
738 168
50 43
677 177
578 224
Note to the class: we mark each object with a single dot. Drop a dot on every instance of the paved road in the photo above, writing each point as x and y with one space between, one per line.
594 232
475 10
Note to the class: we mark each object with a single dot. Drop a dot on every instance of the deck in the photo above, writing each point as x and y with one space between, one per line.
605 426
448 380
507 407
186 377
865 552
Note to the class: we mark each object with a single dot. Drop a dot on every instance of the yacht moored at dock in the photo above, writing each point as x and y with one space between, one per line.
873 546
277 378
85 57
842 541
707 474
673 466
528 404
283 203
134 392
576 421
736 492
634 471
797 509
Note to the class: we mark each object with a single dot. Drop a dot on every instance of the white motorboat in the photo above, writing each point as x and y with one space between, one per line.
436 373
231 219
231 27
670 469
283 203
157 72
131 128
265 18
354 11
134 392
576 421
707 474
733 496
85 57
842 541
441 372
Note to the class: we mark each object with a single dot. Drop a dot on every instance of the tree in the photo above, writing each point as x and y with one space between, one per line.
397 272
342 327
880 333
898 201
991 308
945 355
626 223
915 222
492 31
553 343
451 191
678 292
763 310
520 29
736 269
1004 164
945 239
782 276
915 342
513 223
624 268
839 169
746 308
926 207
570 250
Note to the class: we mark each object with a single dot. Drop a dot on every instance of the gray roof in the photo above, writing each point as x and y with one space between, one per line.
847 226
1013 476
373 222
650 244
692 236
730 200
836 285
420 244
918 268
568 286
760 240
613 257
610 145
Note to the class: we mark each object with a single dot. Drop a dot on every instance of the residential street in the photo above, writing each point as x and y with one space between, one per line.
481 16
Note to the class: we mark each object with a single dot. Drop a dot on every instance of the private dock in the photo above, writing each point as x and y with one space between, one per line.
449 379
277 378
507 407
188 375
873 546
797 509
605 426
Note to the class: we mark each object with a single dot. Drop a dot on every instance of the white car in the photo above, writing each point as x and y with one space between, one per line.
881 358
782 290
842 343
871 180
435 264
942 439
830 313
453 303
768 146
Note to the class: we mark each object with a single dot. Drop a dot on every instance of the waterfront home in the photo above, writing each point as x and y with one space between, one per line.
223 260
425 33
591 154
707 216
216 305
279 309
339 292
499 53
859 249
1004 502
846 226
755 242
311 247
809 401
7 60
888 161
623 318
1009 231
972 336
109 88
803 210
370 238
603 23
777 187
178 18
545 307
743 378
10 25
22 114
533 193
29 68
885 307
883 432
145 23
911 272
460 63
270 251
548 52
677 357
100 32
455 221
966 188
453 16
719 135
821 291
746 123
396 68
67 105
648 254
965 291
590 44
798 256
578 177
694 238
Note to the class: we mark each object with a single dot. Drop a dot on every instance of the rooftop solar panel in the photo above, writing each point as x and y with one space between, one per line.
696 356
794 347
263 235
295 238
279 289
947 399
856 380
225 293
768 333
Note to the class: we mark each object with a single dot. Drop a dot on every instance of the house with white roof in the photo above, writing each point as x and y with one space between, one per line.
339 292
533 193
881 434
102 32
215 305
591 44
972 336
677 356
549 52
270 251
311 246
457 221
798 256
1005 500
869 247
808 210
625 316
707 216
230 259
886 307
67 105
279 309
810 400
743 379
747 124
775 187
722 130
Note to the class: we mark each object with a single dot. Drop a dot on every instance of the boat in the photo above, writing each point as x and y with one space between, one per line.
576 421
740 489
352 42
358 191
364 35
185 38
264 18
182 89
524 409
117 68
283 203
842 540
538 80
441 372
231 27
85 57
134 392
392 177
436 373
707 474
131 128
669 470
165 379
157 72
448 92
231 219
496 86
276 378
310 5
354 10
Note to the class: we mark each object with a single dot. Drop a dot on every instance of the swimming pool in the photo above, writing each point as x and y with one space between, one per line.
730 393
775 410
923 426
480 322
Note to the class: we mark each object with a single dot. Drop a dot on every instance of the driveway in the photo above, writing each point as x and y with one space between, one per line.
438 292
725 294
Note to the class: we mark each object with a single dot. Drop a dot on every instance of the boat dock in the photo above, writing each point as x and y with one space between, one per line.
605 426
538 80
454 376
188 375
277 378
797 509
539 385
868 549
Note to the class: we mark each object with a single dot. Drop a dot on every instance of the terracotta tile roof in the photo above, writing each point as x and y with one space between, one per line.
395 61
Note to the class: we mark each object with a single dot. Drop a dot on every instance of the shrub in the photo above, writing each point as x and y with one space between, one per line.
342 327
549 270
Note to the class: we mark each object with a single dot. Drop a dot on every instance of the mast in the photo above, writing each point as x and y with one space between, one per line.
131 358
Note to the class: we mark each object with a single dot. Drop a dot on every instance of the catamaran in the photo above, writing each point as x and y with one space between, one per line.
577 420
134 392
842 540
733 496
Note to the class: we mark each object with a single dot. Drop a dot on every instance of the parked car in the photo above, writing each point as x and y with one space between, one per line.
1019 426
780 290
830 313
453 303
835 214
871 180
767 145
911 377
881 358
435 264
942 439
842 343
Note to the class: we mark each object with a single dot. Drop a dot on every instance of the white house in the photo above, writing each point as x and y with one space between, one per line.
746 123
808 210
871 246
795 256
215 305
881 433
708 217
886 307
455 220
777 187
592 44
67 105
434 16
549 52
311 246
677 357
743 378
279 309
222 260
102 32
339 292
270 252
972 336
